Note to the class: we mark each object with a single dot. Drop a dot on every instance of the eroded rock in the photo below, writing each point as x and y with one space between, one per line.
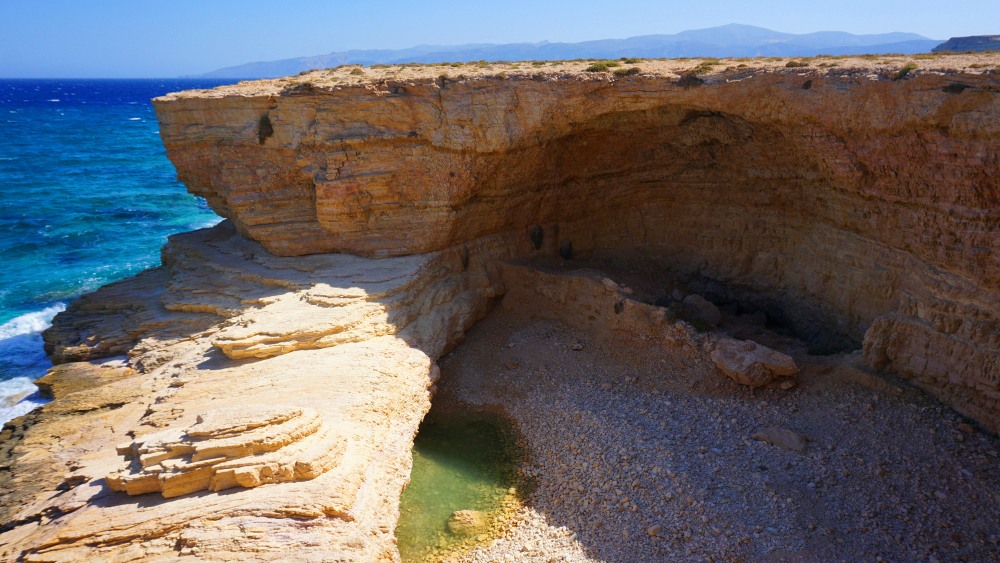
246 446
751 364
703 308
827 204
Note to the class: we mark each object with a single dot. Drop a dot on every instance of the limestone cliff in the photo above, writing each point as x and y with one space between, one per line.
292 385
853 204
844 202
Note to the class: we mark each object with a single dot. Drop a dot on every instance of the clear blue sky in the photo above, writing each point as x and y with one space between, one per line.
139 38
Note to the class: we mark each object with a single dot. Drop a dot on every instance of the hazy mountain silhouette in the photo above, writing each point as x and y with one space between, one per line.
733 40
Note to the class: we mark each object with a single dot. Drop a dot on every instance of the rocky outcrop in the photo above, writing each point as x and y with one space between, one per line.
976 43
242 446
270 389
843 202
266 409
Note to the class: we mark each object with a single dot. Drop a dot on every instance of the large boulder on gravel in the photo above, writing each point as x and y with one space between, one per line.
752 364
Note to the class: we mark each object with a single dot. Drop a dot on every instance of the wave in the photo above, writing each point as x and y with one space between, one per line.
22 360
206 223
30 322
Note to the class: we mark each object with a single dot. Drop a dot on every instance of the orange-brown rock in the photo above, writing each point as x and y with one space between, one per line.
843 201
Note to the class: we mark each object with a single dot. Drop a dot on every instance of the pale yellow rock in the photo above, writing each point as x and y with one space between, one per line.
749 363
309 435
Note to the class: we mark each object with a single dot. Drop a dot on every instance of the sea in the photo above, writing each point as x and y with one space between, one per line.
87 197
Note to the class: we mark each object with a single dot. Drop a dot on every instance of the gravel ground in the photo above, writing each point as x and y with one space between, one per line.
641 455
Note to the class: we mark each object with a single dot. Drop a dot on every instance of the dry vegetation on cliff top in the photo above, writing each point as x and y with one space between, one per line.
710 70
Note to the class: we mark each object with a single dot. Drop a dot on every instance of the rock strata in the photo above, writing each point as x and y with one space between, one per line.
244 446
857 210
267 405
269 377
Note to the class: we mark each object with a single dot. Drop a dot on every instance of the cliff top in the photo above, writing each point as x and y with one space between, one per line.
709 70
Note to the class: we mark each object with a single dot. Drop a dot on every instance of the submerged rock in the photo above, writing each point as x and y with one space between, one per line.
467 522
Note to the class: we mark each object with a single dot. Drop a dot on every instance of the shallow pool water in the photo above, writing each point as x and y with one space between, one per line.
460 462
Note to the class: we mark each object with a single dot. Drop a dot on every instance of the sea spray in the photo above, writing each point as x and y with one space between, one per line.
22 360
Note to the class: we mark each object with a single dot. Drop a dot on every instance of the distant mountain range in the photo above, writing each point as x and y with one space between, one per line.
733 40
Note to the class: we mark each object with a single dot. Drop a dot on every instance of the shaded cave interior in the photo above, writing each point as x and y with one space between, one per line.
696 200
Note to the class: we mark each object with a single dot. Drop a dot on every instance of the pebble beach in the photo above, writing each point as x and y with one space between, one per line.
634 455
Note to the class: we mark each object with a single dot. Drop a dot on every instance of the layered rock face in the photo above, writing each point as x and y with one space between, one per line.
262 392
266 409
842 205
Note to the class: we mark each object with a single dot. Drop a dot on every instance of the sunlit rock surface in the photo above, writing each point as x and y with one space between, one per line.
857 209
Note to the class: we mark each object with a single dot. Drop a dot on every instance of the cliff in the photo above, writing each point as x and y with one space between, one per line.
978 43
369 215
855 204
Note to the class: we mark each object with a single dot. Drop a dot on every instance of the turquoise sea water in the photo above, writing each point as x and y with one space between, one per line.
87 196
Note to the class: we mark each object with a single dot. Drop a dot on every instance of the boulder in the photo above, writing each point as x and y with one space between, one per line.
698 305
751 364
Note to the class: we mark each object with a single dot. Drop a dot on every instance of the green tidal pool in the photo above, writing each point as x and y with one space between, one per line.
460 462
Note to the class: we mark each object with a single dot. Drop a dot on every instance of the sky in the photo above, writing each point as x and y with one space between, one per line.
143 39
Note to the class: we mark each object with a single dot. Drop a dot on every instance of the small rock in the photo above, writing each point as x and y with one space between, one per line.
75 480
966 428
787 384
940 495
782 437
578 346
655 530
512 365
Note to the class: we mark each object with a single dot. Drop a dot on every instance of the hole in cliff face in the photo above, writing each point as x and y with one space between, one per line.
464 479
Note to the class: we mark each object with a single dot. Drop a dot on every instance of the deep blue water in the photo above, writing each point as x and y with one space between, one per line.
87 196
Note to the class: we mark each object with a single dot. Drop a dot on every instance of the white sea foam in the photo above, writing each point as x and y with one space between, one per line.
52 100
30 322
206 223
134 119
22 360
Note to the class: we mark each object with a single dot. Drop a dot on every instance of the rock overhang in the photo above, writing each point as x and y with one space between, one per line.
841 198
